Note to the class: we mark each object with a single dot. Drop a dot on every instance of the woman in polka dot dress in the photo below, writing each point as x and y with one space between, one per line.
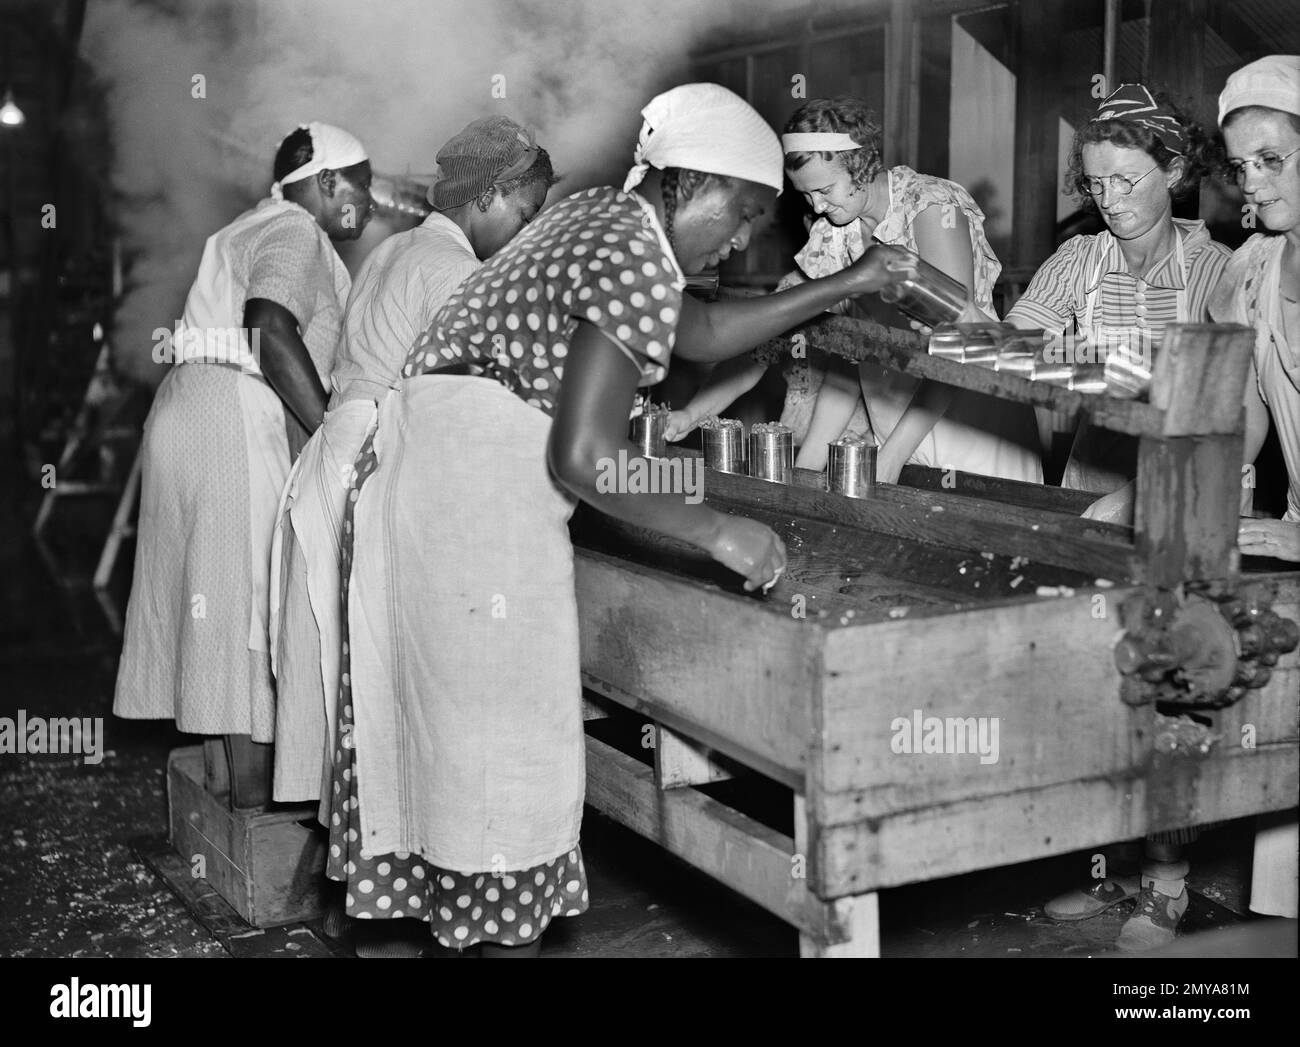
459 776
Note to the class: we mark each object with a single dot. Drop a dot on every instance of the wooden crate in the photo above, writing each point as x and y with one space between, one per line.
975 601
270 867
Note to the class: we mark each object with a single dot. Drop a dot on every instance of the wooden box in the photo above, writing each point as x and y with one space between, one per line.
270 866
949 599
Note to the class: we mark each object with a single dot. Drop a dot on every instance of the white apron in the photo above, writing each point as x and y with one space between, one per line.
216 303
463 628
308 537
1101 461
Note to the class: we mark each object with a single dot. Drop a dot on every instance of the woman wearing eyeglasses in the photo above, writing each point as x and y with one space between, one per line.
1259 111
1147 269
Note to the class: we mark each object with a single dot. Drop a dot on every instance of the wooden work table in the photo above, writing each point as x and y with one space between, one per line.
991 601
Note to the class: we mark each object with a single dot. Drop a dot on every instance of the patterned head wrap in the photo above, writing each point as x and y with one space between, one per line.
1133 104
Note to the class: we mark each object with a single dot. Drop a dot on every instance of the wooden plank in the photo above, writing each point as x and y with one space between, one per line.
734 849
860 914
679 761
902 84
1188 505
1199 377
1035 676
907 352
925 843
668 647
954 521
994 489
1034 188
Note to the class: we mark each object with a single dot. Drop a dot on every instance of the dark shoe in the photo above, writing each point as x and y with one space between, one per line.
1080 904
1154 921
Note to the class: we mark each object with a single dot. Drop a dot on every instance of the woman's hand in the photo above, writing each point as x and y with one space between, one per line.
1279 539
1116 507
679 425
880 267
972 314
751 549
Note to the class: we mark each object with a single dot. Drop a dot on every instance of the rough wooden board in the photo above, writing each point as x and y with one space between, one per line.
936 518
1041 667
680 761
907 352
1188 505
740 852
923 844
218 918
645 635
1199 377
994 489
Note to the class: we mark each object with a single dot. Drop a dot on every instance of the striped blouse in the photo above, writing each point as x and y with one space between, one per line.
1057 297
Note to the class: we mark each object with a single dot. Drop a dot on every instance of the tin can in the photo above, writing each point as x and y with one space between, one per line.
648 430
1088 378
851 466
1128 372
931 297
723 440
771 452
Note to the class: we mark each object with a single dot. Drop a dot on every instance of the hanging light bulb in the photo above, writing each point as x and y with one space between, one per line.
10 114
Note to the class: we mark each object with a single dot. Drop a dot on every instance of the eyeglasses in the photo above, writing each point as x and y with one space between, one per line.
1270 162
1119 185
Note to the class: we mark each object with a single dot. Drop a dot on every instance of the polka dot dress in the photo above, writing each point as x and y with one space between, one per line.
507 908
598 256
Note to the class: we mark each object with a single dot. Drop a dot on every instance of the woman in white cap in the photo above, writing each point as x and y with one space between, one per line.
492 180
833 157
1259 112
458 775
252 355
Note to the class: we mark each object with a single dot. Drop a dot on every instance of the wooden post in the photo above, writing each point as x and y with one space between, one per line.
858 914
902 84
1038 111
1189 477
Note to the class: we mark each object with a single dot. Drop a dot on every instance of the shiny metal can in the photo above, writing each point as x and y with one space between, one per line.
723 440
851 466
771 452
648 430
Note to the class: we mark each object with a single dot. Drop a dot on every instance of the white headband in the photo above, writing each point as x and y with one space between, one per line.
705 127
818 142
332 149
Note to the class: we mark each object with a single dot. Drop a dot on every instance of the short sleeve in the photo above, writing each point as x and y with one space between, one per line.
1048 301
286 265
627 289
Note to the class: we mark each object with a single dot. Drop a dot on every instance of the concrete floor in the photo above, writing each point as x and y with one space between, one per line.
74 880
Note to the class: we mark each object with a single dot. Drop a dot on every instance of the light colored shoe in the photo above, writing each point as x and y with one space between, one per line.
1154 922
1080 904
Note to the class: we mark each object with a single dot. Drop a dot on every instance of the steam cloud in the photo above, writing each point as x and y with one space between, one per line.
403 75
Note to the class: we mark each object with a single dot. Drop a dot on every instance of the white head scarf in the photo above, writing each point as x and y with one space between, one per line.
1273 81
705 127
332 149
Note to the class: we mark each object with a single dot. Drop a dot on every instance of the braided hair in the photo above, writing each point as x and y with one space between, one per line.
678 184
